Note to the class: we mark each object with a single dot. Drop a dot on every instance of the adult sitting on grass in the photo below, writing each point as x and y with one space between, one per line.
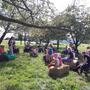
27 48
70 57
34 52
50 49
65 51
85 66
1 53
46 58
4 56
71 60
40 49
48 53
15 50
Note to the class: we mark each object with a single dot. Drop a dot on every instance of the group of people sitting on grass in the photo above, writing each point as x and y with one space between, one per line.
82 65
50 51
85 65
52 58
13 50
10 55
33 50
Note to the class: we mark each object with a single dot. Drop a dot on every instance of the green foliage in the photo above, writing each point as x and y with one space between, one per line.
78 19
7 7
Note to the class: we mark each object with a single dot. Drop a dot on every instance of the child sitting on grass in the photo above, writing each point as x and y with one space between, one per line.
56 60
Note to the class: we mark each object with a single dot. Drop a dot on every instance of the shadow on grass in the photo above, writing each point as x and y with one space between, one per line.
55 76
7 64
88 78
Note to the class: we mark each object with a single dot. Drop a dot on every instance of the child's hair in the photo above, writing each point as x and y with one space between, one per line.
88 47
51 59
2 46
83 52
51 45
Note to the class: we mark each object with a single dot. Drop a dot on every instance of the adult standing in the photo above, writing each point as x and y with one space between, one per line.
11 44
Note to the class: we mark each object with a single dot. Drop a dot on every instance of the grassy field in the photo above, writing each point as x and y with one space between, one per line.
27 73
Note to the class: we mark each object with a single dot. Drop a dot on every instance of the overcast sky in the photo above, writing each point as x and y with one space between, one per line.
62 4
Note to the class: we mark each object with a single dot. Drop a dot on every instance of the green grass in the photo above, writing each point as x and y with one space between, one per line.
26 73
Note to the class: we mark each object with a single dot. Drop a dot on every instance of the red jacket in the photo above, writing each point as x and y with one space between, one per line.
1 50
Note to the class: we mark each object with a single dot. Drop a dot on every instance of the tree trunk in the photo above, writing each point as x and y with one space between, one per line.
40 41
20 42
76 48
25 39
47 43
57 45
24 42
4 34
2 37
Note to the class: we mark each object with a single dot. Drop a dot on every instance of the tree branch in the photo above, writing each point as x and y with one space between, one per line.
13 4
4 18
28 10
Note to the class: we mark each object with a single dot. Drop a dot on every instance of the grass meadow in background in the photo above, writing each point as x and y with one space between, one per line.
27 73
